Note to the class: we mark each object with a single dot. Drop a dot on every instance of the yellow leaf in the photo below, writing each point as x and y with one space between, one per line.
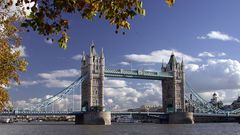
170 2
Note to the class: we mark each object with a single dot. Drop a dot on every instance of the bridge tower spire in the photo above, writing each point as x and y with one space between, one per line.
173 88
92 87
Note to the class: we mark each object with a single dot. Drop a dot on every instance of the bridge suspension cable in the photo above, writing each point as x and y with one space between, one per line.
204 106
59 96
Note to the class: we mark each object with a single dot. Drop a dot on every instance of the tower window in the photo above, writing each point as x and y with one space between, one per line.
96 102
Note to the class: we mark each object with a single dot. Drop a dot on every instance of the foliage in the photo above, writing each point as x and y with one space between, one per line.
10 61
170 2
4 98
47 16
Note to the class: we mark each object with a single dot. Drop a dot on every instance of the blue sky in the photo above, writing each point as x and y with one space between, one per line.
205 33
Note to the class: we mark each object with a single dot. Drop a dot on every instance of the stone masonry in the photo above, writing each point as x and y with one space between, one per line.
173 88
93 67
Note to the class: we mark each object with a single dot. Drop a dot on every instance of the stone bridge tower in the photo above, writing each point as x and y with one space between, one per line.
173 88
93 67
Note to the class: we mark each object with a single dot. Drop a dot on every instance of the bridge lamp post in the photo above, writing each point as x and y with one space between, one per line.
73 100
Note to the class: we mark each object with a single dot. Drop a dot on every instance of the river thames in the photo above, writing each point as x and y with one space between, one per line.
119 129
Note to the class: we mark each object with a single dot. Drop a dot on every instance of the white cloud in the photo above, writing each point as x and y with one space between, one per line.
120 95
110 101
77 57
29 83
55 79
35 100
201 37
221 54
211 54
217 35
220 36
22 104
192 67
60 74
68 103
124 63
21 49
215 74
115 83
206 54
54 83
160 55
13 9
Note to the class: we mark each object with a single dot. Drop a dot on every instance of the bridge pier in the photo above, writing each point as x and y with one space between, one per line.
93 118
181 118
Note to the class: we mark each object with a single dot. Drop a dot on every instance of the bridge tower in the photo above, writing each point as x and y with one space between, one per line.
93 67
173 88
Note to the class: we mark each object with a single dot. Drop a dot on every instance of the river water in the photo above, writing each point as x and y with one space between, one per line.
119 129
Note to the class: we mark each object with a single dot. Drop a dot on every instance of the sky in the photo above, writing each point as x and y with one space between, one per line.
206 34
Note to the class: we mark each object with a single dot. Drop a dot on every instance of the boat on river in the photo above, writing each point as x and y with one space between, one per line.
5 120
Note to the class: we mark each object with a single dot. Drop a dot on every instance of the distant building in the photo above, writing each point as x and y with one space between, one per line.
216 102
189 107
236 103
227 107
147 108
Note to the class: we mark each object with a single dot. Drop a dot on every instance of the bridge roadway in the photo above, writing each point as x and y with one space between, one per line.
158 117
74 113
112 113
36 113
162 113
137 74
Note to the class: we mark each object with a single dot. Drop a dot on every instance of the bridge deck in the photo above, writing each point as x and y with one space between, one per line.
137 74
38 113
112 113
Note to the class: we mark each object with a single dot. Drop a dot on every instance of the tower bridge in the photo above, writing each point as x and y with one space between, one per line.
91 84
93 66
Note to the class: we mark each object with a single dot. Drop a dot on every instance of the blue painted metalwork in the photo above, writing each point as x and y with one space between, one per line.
202 106
59 96
131 113
137 74
37 113
199 103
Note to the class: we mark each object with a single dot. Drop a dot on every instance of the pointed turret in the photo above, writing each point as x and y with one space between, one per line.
182 64
162 64
93 51
90 51
83 56
162 68
102 54
172 62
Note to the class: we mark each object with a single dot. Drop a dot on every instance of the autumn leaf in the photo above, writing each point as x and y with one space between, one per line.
170 2
11 64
